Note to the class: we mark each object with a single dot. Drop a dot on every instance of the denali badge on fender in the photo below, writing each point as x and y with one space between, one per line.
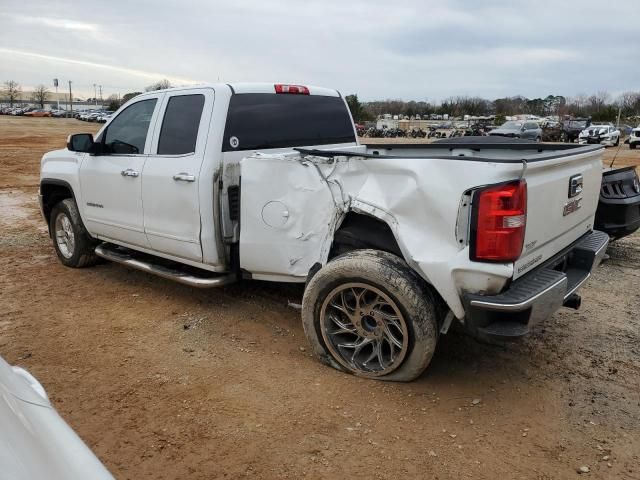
575 186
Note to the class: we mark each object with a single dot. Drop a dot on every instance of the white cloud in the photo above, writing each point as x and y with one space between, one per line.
62 23
412 49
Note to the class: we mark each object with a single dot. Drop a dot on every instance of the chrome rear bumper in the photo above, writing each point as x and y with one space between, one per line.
534 297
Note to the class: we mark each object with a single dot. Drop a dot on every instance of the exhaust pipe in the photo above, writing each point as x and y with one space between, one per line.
573 301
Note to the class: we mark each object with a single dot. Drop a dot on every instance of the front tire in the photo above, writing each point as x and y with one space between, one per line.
367 313
73 245
632 146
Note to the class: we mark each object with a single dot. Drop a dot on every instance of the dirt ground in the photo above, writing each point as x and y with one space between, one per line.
163 381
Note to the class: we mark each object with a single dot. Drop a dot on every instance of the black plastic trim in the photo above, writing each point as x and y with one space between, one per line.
473 146
59 183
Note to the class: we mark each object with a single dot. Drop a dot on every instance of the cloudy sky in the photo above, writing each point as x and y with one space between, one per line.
377 48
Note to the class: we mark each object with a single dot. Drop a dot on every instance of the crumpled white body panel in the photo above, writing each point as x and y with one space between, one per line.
291 206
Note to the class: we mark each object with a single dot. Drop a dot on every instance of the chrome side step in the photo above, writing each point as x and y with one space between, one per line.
115 254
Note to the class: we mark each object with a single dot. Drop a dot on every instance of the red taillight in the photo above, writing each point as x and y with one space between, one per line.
500 217
299 89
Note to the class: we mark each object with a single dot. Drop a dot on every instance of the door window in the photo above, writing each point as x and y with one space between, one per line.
127 133
180 125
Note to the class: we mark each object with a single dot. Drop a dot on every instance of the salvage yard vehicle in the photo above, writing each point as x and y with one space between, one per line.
516 129
634 138
601 134
207 185
35 442
571 129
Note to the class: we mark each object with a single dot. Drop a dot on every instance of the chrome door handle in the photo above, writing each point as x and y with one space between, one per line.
129 173
184 177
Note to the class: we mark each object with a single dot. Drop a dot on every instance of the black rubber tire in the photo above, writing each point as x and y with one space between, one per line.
617 142
83 254
538 139
420 305
632 146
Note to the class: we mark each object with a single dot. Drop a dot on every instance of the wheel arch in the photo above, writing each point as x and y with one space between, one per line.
53 191
360 230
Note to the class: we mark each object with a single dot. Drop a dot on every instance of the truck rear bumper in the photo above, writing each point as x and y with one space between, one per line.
534 297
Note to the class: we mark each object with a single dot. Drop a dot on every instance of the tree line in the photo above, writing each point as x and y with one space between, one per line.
600 106
12 91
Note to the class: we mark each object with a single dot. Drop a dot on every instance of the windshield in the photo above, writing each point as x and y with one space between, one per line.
512 125
577 123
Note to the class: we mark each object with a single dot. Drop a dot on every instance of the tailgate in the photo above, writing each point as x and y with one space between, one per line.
558 211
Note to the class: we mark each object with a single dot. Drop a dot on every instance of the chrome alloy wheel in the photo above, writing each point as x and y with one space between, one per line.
65 238
364 329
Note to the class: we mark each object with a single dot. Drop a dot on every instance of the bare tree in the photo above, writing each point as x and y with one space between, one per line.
40 95
598 101
630 103
161 85
12 91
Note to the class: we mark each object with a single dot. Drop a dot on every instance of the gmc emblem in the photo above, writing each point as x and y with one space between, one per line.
575 185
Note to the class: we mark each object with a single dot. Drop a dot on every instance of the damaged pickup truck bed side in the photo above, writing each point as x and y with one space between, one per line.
205 185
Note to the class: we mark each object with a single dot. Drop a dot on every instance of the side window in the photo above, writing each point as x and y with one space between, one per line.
180 125
127 133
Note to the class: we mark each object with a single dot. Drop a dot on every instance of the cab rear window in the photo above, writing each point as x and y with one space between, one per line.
258 121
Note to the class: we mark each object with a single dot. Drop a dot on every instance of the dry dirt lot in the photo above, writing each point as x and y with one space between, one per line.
163 381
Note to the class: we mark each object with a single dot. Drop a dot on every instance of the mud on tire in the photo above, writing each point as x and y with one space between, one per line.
389 284
73 245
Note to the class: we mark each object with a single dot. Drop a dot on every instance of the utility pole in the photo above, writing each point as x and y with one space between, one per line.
55 83
70 98
95 95
100 86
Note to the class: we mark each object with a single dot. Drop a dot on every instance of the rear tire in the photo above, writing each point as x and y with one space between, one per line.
73 245
367 313
632 146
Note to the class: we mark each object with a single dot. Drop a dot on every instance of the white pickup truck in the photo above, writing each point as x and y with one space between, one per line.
208 185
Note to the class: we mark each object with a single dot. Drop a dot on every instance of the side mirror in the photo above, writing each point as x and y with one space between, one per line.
80 142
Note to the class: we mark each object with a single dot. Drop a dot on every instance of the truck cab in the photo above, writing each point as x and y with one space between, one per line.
162 175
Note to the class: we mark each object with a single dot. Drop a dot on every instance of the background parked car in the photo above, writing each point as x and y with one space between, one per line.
603 134
634 138
571 129
38 113
104 117
518 129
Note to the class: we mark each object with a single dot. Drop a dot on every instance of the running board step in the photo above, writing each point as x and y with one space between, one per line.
144 262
